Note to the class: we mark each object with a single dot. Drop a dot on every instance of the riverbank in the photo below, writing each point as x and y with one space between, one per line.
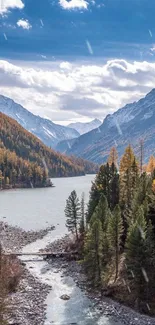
25 186
103 305
28 302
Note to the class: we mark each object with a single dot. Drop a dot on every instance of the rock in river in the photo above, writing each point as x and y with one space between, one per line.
65 297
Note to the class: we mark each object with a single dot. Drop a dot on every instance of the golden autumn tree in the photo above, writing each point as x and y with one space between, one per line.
113 157
151 165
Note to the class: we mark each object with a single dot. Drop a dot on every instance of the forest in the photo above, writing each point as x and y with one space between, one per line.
25 161
116 233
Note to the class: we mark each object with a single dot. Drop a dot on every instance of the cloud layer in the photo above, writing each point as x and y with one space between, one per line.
65 90
5 5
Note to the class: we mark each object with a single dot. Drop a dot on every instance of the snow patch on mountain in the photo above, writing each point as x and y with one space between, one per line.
47 131
129 124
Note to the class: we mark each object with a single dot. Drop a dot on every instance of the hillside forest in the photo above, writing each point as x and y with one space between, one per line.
26 162
116 235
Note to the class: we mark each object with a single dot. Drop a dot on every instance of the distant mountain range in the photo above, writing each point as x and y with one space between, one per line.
129 124
85 127
47 131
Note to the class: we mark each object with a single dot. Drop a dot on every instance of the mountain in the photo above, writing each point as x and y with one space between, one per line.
64 145
47 131
129 124
85 127
22 146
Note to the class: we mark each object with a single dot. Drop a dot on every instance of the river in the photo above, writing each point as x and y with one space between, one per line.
35 209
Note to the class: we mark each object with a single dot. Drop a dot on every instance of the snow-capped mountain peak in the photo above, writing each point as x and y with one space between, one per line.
47 131
85 127
129 124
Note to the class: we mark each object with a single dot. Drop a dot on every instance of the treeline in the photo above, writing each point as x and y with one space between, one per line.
118 240
36 158
17 172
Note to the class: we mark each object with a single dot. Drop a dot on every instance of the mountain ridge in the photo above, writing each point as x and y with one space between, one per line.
128 124
47 131
16 139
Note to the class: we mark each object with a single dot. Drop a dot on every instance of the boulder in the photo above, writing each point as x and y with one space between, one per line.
65 297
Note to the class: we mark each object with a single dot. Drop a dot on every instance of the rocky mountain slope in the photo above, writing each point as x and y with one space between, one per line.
129 124
47 131
85 127
18 142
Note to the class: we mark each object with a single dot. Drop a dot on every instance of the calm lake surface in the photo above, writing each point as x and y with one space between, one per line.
38 208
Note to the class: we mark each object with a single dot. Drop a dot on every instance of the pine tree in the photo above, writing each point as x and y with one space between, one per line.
129 175
115 230
72 213
102 212
114 185
136 252
93 253
82 221
106 183
150 260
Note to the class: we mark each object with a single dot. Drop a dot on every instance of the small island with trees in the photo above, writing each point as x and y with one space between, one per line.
115 238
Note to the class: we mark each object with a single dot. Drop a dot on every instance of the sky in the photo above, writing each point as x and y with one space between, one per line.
76 60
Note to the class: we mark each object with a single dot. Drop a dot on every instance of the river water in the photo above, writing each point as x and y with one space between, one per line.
36 209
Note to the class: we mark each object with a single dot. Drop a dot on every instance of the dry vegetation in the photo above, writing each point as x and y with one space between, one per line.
10 273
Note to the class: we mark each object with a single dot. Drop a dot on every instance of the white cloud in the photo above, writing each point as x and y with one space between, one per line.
65 65
5 5
24 24
64 90
73 4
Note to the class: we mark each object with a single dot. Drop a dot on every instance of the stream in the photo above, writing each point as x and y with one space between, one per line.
79 309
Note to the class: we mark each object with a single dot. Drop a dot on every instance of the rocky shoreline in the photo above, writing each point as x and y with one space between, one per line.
28 302
103 305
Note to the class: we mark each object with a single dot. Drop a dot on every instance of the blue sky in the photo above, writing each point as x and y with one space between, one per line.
78 59
114 28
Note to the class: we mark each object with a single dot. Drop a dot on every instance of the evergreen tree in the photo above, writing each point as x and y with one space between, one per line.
102 212
93 250
136 252
72 213
115 230
115 188
129 175
106 183
150 260
82 221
